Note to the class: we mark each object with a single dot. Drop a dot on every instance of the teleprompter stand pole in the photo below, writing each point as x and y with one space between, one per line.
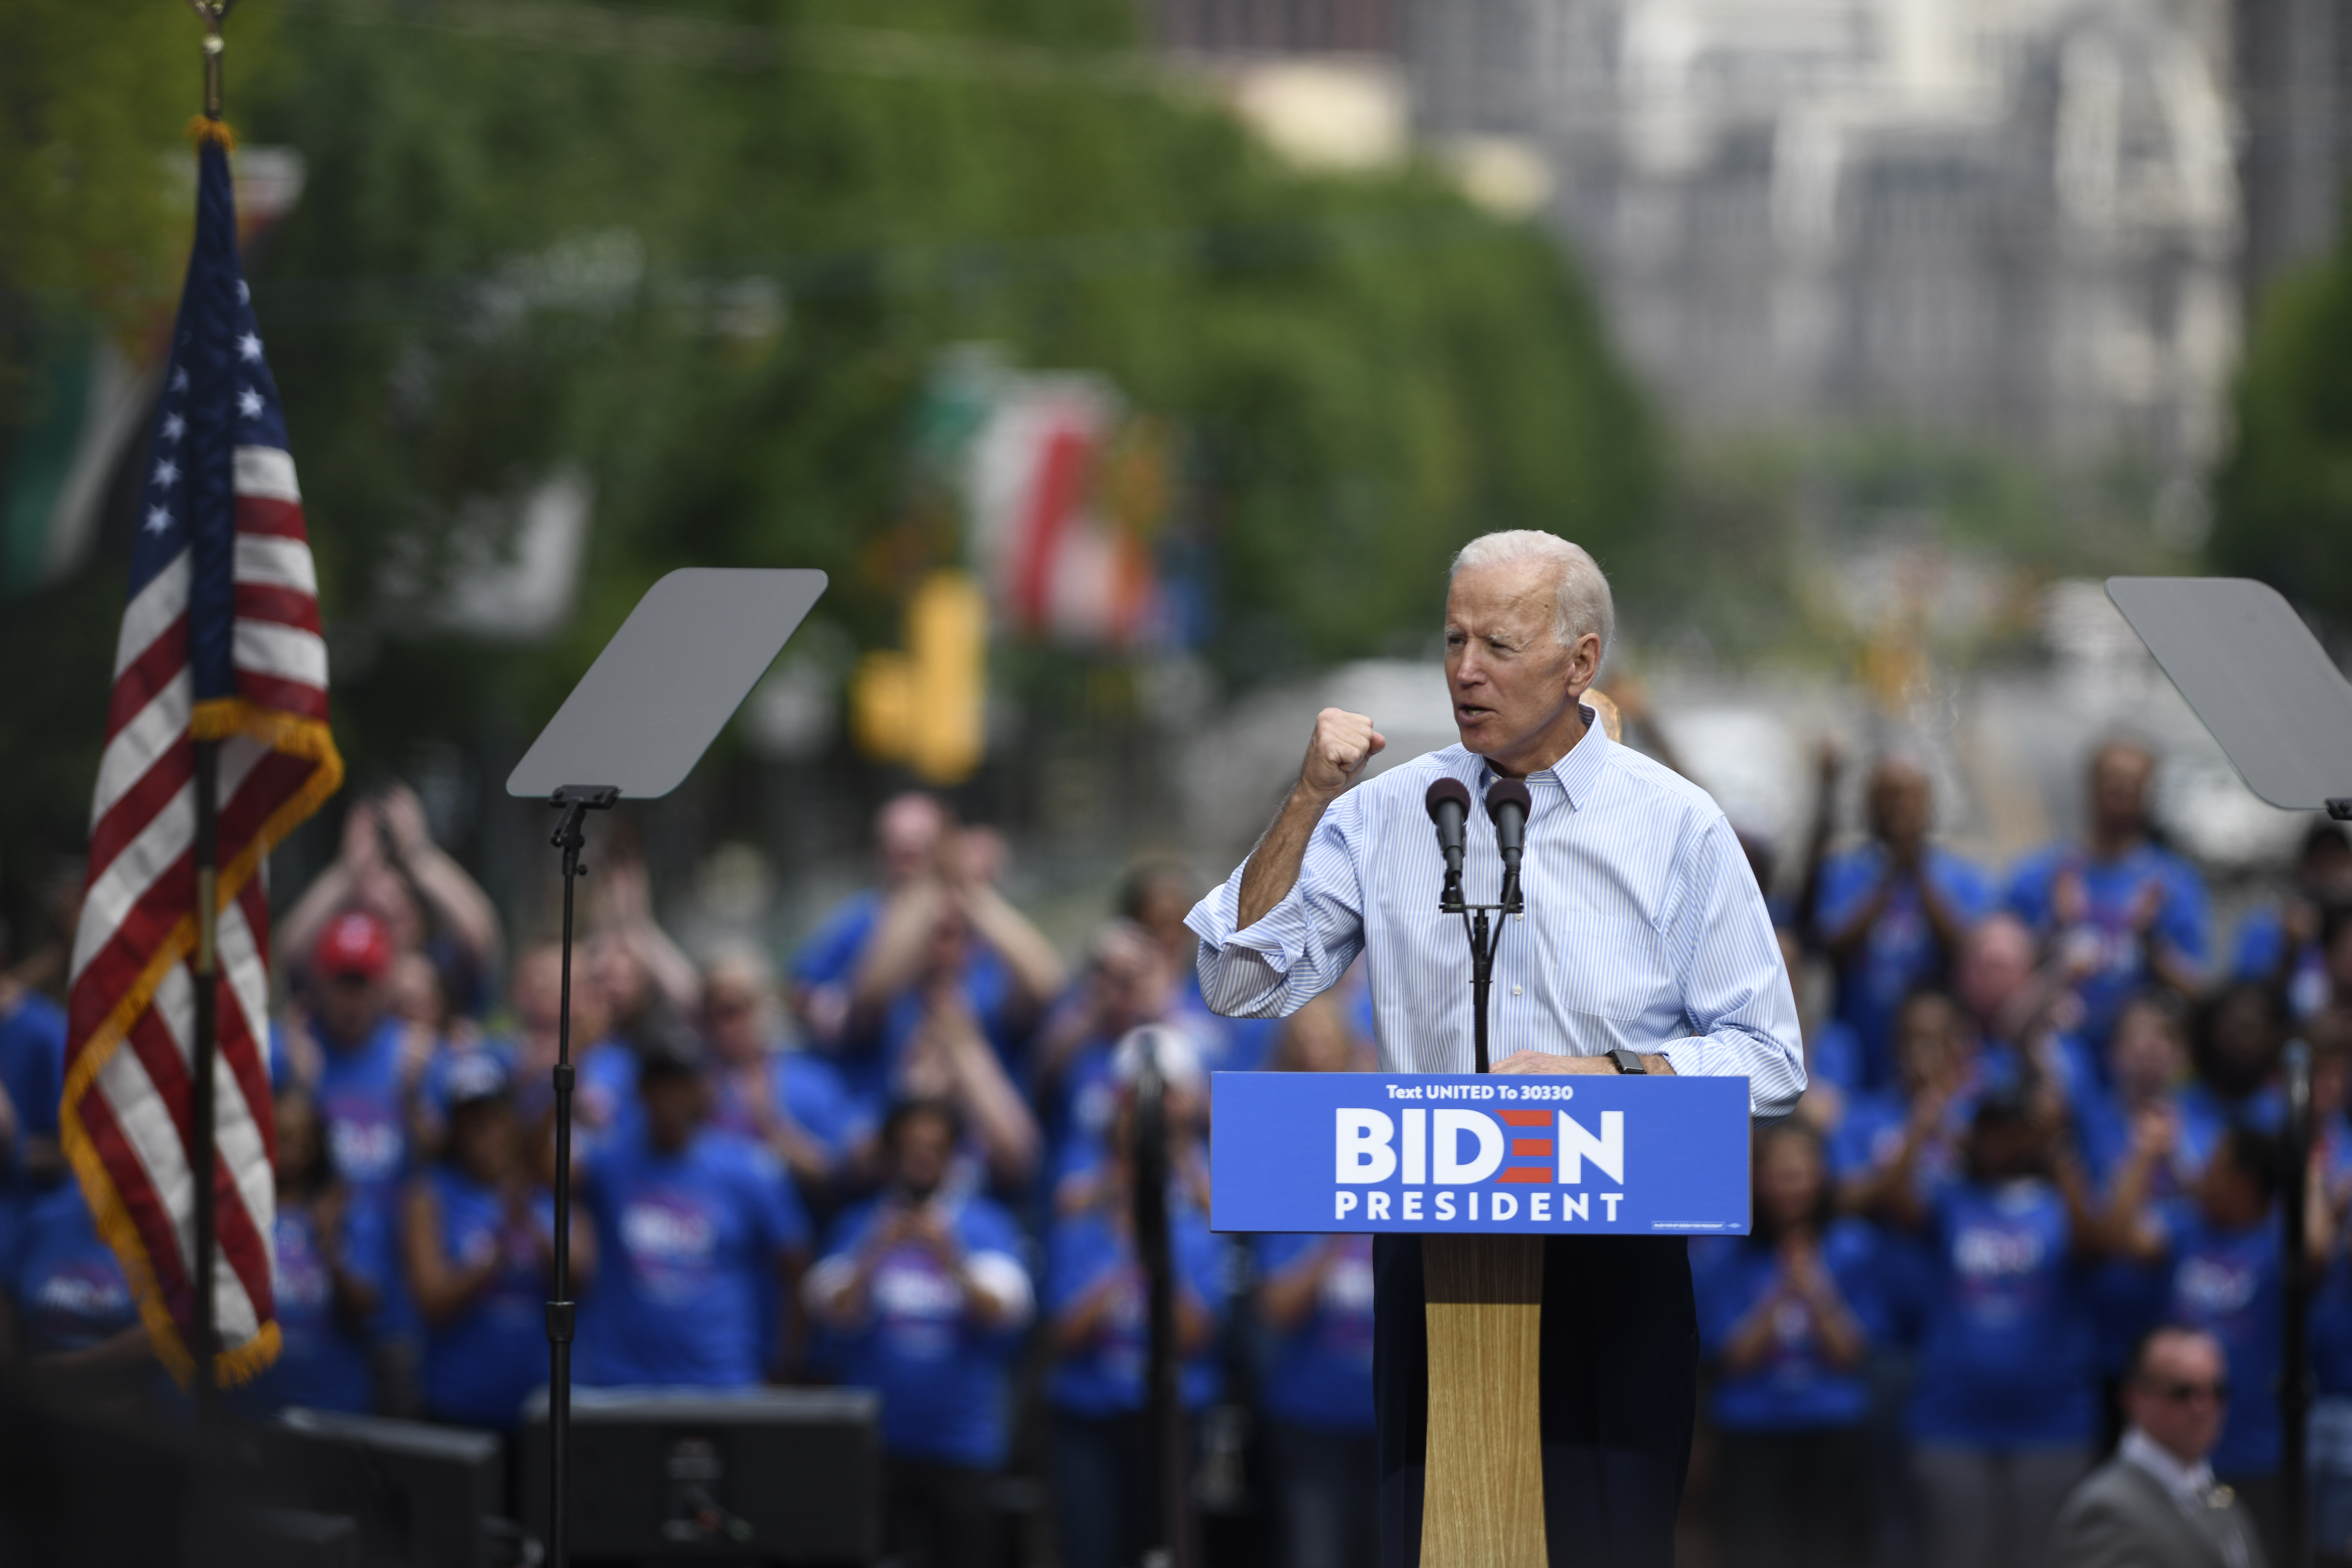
2294 1359
576 801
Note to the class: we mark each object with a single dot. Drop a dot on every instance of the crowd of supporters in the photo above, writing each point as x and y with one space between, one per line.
2043 1119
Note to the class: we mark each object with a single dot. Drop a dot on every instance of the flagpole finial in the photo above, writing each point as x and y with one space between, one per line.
212 13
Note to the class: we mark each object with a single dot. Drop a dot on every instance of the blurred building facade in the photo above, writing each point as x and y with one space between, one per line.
2013 220
2293 80
2006 219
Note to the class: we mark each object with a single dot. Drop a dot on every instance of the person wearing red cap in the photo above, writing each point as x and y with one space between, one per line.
364 1077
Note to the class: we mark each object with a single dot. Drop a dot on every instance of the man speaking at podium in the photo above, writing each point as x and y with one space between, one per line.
1645 947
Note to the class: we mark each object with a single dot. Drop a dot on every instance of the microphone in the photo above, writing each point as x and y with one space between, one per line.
1449 806
1508 803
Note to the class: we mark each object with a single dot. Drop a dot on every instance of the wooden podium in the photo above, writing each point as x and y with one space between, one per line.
1482 1170
1482 1501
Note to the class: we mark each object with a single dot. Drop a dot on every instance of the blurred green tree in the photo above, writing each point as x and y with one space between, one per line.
95 94
2282 498
707 256
715 266
95 90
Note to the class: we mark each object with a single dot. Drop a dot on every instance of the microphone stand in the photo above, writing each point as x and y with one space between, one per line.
1484 939
1166 1535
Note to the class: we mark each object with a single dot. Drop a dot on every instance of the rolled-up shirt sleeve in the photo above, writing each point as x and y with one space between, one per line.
1300 947
1735 988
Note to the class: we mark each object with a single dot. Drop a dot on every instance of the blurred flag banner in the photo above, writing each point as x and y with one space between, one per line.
220 641
1066 495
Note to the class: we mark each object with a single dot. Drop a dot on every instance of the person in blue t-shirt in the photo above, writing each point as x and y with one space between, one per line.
1893 912
1095 1313
362 1064
2006 1408
71 1326
2127 911
1315 1305
32 1077
927 1295
2223 1269
1833 1071
1128 983
477 1240
907 831
334 1255
1935 1054
694 1229
790 1101
1315 1311
946 1054
365 1070
937 914
2285 945
2235 1043
1786 1317
2330 1444
948 948
2147 1057
2147 1070
389 866
1156 896
1078 1180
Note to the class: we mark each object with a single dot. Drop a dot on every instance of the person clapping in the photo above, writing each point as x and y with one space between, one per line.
477 1241
925 1297
1787 1317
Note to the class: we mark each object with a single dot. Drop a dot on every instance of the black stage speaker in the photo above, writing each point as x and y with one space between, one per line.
422 1497
295 1538
788 1476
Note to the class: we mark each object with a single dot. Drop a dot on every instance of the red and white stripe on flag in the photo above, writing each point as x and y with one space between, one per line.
221 491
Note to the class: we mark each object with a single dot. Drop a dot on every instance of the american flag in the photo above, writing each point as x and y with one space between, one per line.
220 641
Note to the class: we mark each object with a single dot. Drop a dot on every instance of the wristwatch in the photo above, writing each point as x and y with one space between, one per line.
1629 1062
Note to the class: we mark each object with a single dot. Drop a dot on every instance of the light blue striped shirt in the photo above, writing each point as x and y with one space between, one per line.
1643 928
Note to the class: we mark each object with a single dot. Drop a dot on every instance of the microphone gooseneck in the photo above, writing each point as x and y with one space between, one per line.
1508 802
1449 806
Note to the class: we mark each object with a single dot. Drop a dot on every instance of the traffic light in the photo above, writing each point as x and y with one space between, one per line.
927 707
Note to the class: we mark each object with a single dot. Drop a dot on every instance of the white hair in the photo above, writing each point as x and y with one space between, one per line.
1581 600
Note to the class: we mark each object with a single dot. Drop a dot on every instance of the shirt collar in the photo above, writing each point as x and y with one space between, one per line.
1578 773
2189 1483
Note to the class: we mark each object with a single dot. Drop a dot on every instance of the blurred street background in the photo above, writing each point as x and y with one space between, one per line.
1857 339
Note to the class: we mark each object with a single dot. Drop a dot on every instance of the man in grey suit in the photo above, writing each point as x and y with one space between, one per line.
2156 1503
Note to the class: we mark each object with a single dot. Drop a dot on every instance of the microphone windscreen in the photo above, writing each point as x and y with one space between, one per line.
1508 792
1447 792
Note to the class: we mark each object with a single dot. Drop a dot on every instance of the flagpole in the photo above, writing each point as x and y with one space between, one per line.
212 13
202 1054
204 1049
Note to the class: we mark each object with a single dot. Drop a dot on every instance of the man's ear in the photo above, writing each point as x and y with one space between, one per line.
1584 661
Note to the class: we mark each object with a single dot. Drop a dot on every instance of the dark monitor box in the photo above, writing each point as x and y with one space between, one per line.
774 1475
421 1496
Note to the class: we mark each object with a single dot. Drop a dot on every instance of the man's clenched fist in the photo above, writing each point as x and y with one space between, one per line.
1343 743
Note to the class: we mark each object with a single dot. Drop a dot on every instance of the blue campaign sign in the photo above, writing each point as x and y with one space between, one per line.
1423 1152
